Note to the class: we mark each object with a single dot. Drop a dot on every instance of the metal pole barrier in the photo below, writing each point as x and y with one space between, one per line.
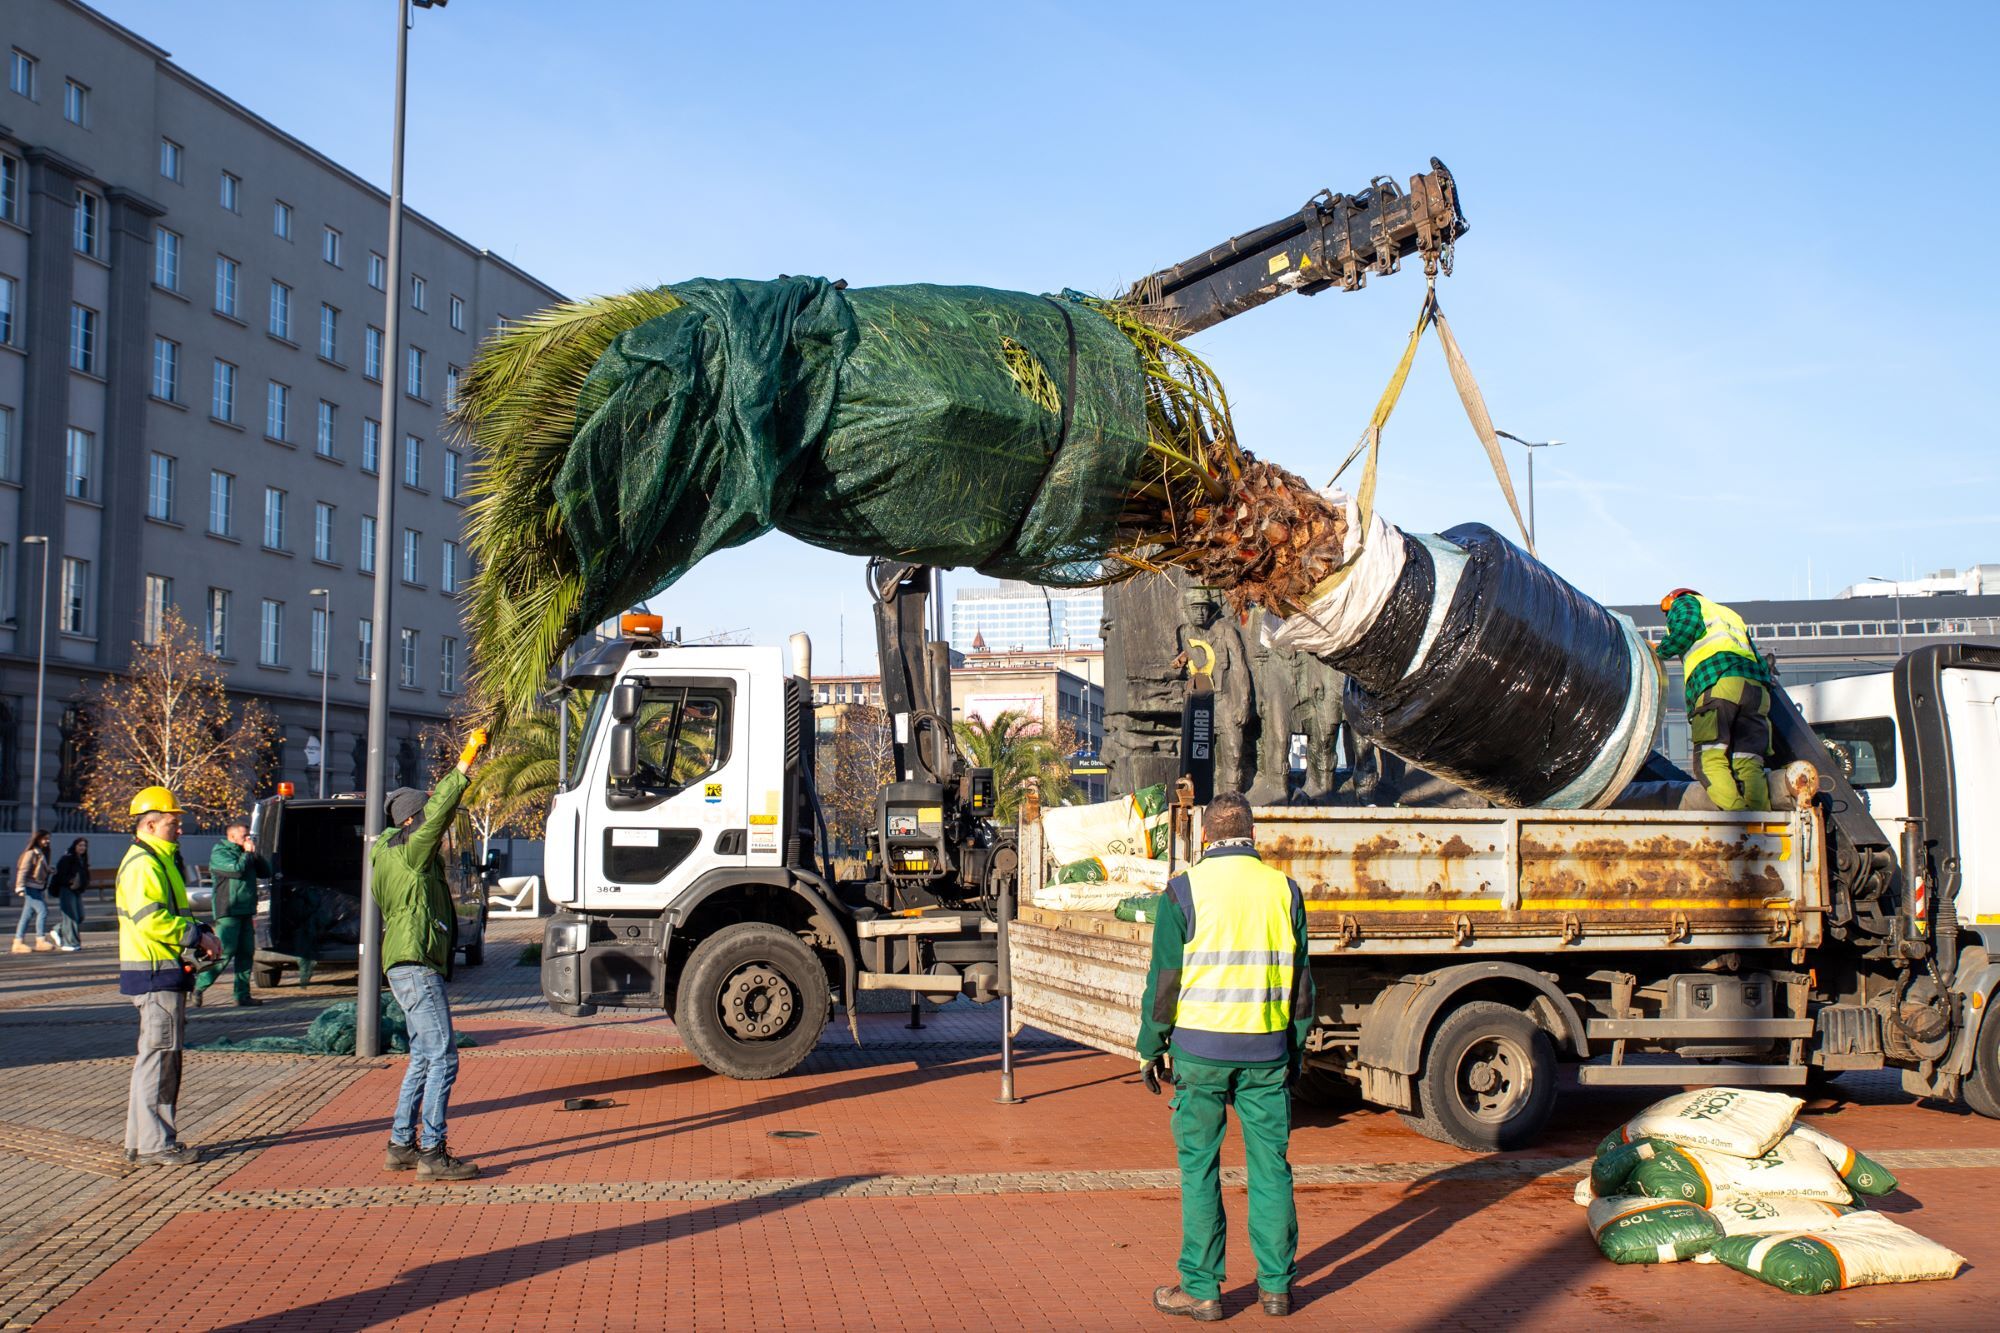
1006 1097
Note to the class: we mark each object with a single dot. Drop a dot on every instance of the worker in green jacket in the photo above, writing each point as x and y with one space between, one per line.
419 934
1728 697
235 867
1224 1017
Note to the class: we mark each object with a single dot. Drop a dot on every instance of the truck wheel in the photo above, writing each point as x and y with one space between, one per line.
1488 1081
1981 1088
752 1001
266 975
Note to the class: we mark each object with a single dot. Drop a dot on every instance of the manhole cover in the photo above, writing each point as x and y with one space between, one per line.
792 1134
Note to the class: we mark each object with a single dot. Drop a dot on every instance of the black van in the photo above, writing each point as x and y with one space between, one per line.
314 847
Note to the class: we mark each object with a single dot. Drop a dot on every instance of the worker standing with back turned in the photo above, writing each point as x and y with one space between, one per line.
1728 697
1226 1009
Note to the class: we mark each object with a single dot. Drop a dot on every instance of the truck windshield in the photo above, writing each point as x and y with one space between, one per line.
1864 748
682 734
581 737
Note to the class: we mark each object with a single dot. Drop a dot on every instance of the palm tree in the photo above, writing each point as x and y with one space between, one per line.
523 772
1017 747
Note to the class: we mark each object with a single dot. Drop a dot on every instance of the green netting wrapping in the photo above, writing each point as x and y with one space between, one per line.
1018 421
332 1033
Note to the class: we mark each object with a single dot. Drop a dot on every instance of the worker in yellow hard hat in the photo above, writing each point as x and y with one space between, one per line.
156 928
1728 697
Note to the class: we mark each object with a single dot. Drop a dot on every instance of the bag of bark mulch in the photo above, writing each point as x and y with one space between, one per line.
1863 1249
1739 1121
1862 1174
1632 1229
1740 1213
1792 1169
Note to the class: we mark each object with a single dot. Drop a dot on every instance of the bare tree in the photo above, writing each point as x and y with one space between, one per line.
853 766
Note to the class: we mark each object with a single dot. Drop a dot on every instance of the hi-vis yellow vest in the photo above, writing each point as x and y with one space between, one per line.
1238 964
153 920
1723 631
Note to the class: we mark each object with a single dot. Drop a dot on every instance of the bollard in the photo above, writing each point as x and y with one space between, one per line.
1006 984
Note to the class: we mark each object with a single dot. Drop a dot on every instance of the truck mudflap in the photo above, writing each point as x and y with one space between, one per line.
1079 977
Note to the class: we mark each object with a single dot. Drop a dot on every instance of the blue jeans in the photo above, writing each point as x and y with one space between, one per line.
35 904
433 1054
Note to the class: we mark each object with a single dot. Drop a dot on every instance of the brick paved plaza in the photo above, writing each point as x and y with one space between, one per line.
915 1203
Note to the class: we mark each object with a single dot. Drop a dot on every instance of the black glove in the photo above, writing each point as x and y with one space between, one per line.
1157 1070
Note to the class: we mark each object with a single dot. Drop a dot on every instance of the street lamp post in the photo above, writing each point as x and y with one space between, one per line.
41 686
1530 446
325 674
1896 589
368 986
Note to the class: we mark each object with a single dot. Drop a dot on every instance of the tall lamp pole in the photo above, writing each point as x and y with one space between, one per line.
1530 446
325 674
41 685
1897 589
368 987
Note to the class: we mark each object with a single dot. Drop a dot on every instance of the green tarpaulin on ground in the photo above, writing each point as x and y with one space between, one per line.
332 1033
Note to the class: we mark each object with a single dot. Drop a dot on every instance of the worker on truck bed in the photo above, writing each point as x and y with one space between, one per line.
1728 697
1227 1005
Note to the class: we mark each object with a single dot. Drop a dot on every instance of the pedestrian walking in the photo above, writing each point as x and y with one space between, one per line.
419 937
1226 1009
156 930
72 877
235 866
31 878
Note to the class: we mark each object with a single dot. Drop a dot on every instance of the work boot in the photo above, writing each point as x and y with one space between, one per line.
178 1155
1277 1304
402 1157
247 1002
438 1164
43 946
1172 1300
22 946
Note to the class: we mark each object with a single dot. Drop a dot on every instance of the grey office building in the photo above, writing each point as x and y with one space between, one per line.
191 304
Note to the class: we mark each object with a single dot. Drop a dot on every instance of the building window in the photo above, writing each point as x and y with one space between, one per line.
167 259
225 286
365 668
170 159
9 294
323 430
271 633
218 622
274 519
75 596
166 370
8 469
281 311
76 103
278 411
448 573
451 388
371 354
365 560
323 532
159 595
452 463
329 332
83 339
329 246
413 462
458 314
371 446
413 556
319 635
232 192
378 269
281 219
417 290
413 382
222 402
10 188
447 665
409 662
160 488
85 235
21 74
79 463
222 504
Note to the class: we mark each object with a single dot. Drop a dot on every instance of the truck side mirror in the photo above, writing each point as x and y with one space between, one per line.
625 701
624 751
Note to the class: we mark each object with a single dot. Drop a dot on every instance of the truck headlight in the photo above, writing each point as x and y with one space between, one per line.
568 936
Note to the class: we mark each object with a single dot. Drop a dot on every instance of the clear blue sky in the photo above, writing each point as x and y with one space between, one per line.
1734 255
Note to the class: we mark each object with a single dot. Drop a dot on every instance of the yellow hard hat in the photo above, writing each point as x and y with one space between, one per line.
155 801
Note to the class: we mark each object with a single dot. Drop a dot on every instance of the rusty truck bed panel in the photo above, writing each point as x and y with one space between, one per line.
1079 975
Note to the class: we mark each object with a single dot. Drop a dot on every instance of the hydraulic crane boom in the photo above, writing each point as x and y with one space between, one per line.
1336 239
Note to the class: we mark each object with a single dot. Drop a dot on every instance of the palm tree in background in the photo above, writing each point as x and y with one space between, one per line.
1017 747
521 775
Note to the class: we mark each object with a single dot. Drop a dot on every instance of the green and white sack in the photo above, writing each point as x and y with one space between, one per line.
1863 1249
1793 1169
1739 1121
1134 825
1636 1230
1863 1175
1740 1213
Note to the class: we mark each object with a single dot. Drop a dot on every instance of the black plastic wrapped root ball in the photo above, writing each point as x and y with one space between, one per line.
1486 669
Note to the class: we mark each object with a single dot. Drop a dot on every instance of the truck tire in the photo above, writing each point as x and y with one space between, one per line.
266 975
1981 1088
752 1001
1488 1081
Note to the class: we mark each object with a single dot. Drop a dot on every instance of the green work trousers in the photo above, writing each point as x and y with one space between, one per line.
239 950
1264 1114
1730 725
